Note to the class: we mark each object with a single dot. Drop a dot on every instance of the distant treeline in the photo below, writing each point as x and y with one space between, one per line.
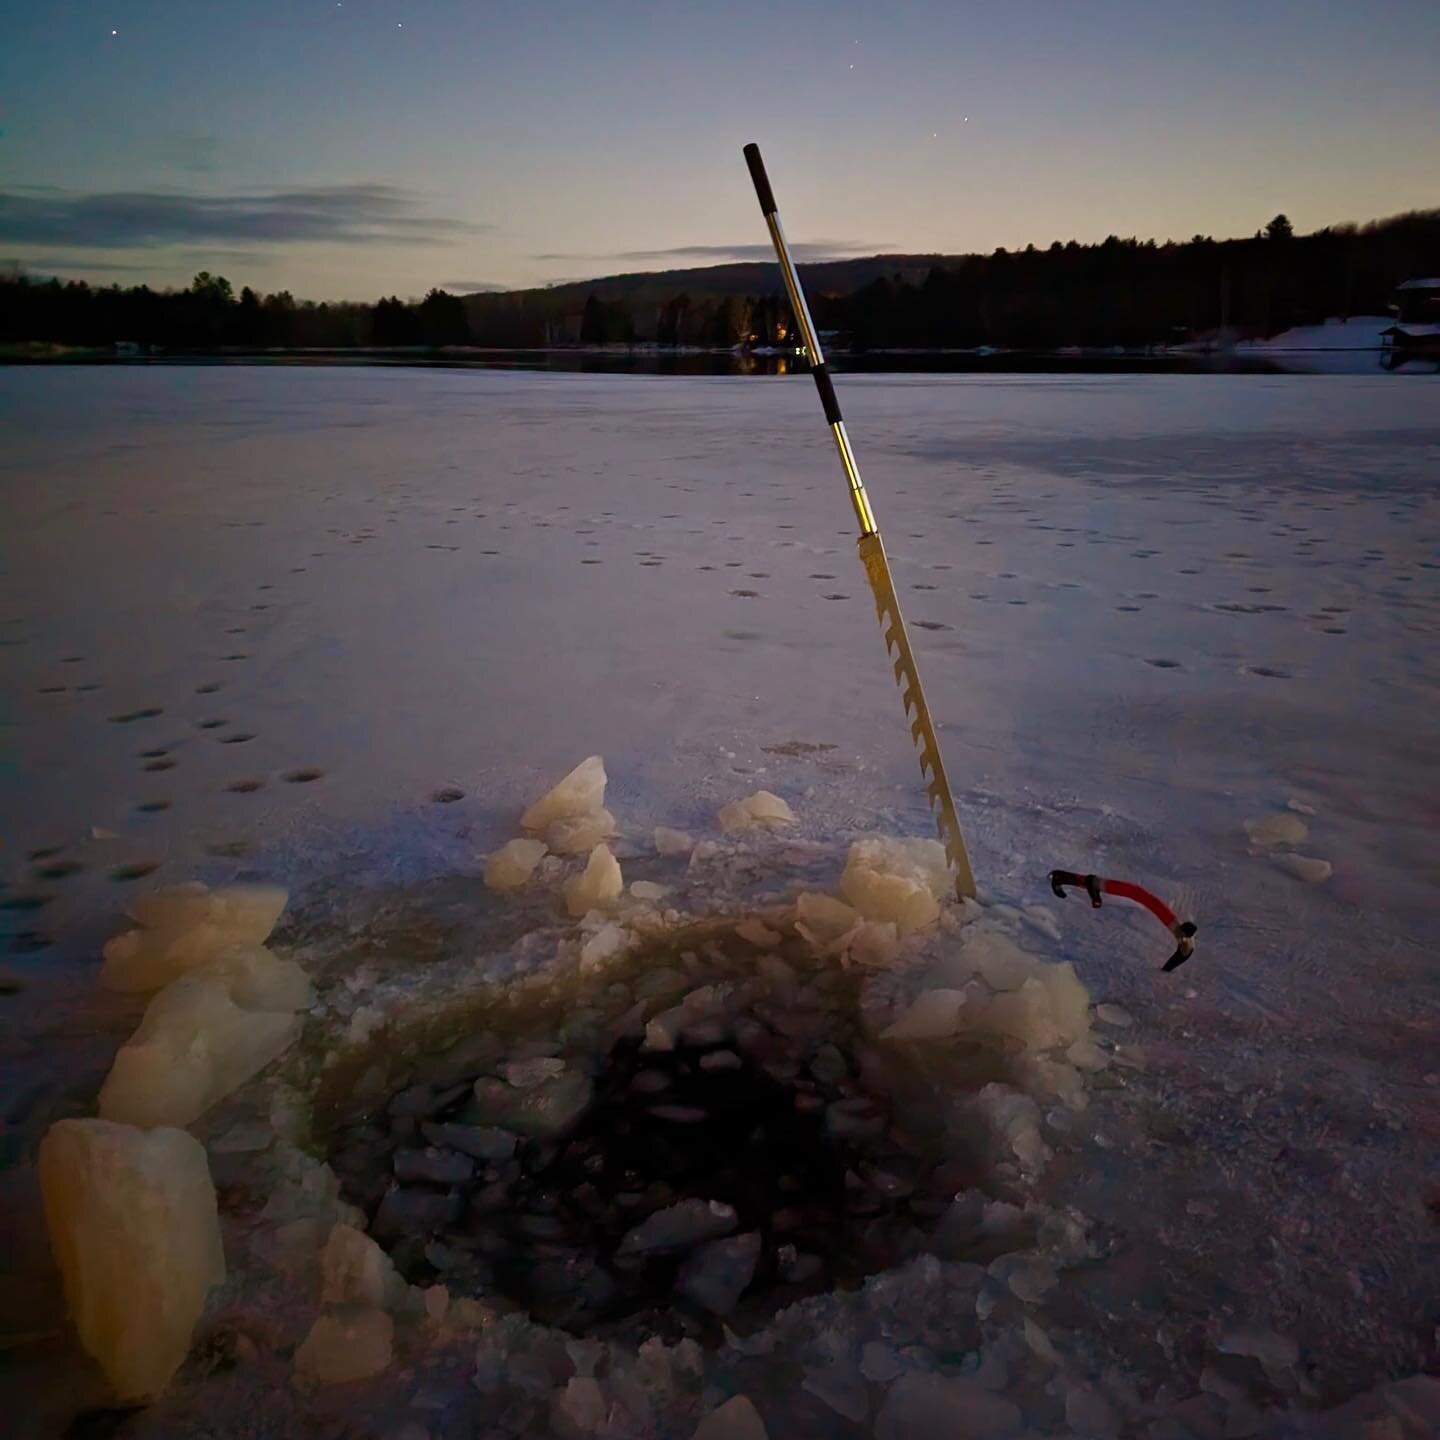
1120 292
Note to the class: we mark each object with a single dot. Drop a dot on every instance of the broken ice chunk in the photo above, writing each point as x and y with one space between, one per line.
1069 999
527 1074
715 1275
996 958
581 792
579 834
662 1031
354 1270
258 979
842 1388
1306 867
919 1404
1029 1277
597 887
934 1015
1025 1015
354 1343
607 942
736 1419
761 808
1088 1413
134 1229
679 1226
899 880
250 912
1113 1014
481 1142
1016 1118
547 1108
1279 1354
824 921
873 944
580 1408
754 931
672 842
512 865
194 1046
433 1166
184 928
1086 1055
878 1362
855 1118
409 1210
1278 828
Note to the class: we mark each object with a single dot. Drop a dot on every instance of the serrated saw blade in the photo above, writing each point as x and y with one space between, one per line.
922 728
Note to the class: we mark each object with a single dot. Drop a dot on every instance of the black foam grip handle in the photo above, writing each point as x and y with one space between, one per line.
761 179
827 394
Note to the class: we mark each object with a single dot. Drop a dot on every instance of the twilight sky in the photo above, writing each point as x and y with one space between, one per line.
377 146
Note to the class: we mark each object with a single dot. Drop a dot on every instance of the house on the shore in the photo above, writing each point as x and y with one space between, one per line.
1416 331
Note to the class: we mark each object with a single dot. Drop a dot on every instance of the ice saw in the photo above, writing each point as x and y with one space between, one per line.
872 554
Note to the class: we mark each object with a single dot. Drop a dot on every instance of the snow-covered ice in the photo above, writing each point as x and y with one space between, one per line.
336 629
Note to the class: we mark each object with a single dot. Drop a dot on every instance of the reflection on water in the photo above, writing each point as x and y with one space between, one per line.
658 361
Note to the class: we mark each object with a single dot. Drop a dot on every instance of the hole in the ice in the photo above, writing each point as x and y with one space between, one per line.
237 739
209 689
244 787
156 765
559 1157
447 795
152 807
303 777
130 716
746 594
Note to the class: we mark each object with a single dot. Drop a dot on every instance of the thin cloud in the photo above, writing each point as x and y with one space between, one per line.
474 287
31 264
812 251
115 220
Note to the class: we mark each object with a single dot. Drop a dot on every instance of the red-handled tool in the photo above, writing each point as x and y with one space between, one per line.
1095 886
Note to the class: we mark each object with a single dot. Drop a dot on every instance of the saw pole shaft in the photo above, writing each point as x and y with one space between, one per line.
818 368
872 551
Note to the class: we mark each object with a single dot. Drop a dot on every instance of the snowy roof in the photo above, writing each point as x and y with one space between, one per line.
1419 285
1414 330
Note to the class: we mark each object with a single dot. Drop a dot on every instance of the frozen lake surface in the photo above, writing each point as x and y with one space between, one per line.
337 627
